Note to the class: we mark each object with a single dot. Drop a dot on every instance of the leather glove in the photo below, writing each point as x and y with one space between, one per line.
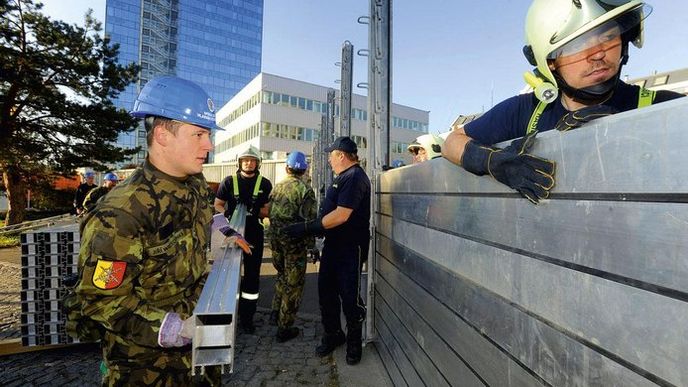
220 223
298 230
315 255
513 166
572 120
175 332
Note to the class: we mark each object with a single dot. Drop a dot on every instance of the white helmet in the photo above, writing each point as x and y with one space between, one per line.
556 28
430 142
252 153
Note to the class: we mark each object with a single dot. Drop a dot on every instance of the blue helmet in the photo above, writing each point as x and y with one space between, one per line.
297 160
110 176
398 163
90 174
176 99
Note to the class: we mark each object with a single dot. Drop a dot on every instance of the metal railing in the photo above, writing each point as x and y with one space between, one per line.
32 224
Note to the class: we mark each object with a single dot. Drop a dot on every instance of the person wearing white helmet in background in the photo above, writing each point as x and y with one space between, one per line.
247 186
578 48
109 182
426 147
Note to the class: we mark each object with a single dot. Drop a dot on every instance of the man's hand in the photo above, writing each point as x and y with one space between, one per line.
574 119
298 230
315 255
221 224
531 176
175 332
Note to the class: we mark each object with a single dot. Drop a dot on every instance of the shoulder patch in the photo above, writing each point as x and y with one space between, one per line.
109 274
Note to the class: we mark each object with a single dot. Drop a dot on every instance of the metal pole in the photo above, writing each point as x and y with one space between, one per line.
379 119
345 89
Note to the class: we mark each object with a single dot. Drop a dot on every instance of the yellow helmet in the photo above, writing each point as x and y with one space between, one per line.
565 27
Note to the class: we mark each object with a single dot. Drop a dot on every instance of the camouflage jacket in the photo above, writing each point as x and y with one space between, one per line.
93 196
291 201
143 254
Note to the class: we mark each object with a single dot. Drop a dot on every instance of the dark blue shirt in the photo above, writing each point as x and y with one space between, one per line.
509 119
350 189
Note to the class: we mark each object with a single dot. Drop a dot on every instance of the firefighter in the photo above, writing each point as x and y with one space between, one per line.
578 48
426 147
248 187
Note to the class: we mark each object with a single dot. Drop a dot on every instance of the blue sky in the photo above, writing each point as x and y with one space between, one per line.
449 57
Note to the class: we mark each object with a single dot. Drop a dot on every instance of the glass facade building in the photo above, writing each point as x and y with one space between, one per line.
215 43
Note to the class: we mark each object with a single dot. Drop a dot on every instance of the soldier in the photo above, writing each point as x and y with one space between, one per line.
248 187
109 182
143 261
291 201
82 190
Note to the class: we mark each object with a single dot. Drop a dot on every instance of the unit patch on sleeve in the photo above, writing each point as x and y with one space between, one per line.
109 274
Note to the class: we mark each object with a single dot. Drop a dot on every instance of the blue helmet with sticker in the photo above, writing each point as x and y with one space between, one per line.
176 99
110 176
297 160
89 174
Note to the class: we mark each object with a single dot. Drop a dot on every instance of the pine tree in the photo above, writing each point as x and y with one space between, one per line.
57 85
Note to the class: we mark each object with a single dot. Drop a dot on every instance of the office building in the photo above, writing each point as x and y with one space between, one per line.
277 115
215 43
676 80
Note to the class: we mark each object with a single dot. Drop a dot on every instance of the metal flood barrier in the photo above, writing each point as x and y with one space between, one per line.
476 286
215 313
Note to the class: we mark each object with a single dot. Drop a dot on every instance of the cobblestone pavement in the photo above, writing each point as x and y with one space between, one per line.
258 361
10 307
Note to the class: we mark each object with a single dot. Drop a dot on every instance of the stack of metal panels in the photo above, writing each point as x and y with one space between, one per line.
48 255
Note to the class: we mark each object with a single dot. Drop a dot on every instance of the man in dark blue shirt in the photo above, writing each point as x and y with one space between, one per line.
345 221
578 48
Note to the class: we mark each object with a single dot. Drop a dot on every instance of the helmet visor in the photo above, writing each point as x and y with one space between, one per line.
601 38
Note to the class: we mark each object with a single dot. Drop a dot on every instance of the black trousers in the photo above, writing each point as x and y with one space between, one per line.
250 282
339 284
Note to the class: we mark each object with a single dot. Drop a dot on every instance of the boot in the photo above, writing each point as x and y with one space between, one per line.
286 334
274 316
329 343
354 347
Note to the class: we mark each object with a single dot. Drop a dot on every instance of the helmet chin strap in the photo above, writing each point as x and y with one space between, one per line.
596 93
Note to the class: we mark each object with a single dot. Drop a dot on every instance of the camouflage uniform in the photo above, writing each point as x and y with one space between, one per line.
143 254
291 201
93 196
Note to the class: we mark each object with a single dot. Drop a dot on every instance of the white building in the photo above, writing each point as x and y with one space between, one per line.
278 115
676 80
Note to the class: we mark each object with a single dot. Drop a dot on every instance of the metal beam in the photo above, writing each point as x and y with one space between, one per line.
216 311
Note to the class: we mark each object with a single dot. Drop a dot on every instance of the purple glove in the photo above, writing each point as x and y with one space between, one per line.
174 331
220 223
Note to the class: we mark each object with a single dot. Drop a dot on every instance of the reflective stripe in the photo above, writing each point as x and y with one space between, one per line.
645 97
535 117
249 296
256 188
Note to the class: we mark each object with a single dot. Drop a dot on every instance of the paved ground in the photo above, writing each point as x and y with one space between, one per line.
259 359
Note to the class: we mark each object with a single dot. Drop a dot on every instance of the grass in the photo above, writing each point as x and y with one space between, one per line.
9 240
